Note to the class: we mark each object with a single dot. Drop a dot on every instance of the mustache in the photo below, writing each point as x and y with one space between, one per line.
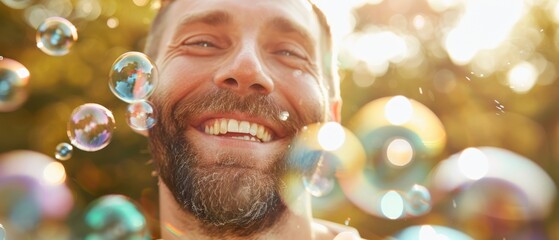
254 105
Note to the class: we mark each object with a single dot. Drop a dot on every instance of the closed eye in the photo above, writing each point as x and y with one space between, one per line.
204 44
290 53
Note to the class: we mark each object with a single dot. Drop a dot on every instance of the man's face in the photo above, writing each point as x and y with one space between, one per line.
229 73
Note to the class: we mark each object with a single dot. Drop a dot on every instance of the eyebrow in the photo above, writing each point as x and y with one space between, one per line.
213 18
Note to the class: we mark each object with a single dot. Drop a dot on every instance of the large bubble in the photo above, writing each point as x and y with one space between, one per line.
133 77
115 217
430 232
56 35
33 194
401 137
495 182
13 84
90 127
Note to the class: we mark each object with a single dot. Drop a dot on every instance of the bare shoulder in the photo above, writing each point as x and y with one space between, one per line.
329 230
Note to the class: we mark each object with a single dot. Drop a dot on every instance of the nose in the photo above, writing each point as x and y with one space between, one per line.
243 73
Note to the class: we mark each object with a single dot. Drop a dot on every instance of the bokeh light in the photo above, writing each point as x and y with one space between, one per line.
14 78
392 205
56 35
133 77
90 127
115 217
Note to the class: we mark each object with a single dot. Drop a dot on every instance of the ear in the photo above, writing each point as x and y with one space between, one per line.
336 109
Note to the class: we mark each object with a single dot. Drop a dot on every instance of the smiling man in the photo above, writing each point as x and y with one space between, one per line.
231 71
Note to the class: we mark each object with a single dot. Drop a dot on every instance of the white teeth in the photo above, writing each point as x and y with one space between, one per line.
244 127
253 129
255 132
233 126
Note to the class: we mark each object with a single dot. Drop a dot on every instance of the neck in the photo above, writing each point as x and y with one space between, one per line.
179 224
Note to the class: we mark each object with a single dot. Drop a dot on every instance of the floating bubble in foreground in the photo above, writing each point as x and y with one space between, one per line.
320 181
33 193
55 36
133 77
63 151
17 4
509 185
401 138
141 115
418 200
13 84
431 232
2 232
115 217
90 127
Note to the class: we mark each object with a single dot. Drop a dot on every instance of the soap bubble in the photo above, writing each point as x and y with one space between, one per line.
115 217
133 77
284 115
63 151
321 181
17 4
13 83
2 232
141 115
55 36
91 127
418 200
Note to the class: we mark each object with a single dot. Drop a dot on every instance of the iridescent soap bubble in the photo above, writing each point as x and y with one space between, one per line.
17 4
284 115
320 181
133 77
2 232
13 84
418 200
63 151
91 127
56 35
115 217
141 115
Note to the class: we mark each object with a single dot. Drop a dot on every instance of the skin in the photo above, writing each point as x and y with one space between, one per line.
268 48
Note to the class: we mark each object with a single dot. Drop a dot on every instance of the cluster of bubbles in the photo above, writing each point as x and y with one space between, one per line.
381 168
115 217
132 79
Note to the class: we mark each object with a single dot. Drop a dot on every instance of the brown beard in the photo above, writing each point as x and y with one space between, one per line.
229 200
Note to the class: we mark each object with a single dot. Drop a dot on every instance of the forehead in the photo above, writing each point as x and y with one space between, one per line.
299 13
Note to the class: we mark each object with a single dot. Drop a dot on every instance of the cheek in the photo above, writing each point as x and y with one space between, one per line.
177 78
303 91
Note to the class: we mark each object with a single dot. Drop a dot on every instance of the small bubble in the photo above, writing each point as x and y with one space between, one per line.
90 127
133 77
284 115
112 22
346 222
141 115
63 151
418 200
55 36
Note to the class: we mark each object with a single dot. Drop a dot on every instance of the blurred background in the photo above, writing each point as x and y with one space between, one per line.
454 105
